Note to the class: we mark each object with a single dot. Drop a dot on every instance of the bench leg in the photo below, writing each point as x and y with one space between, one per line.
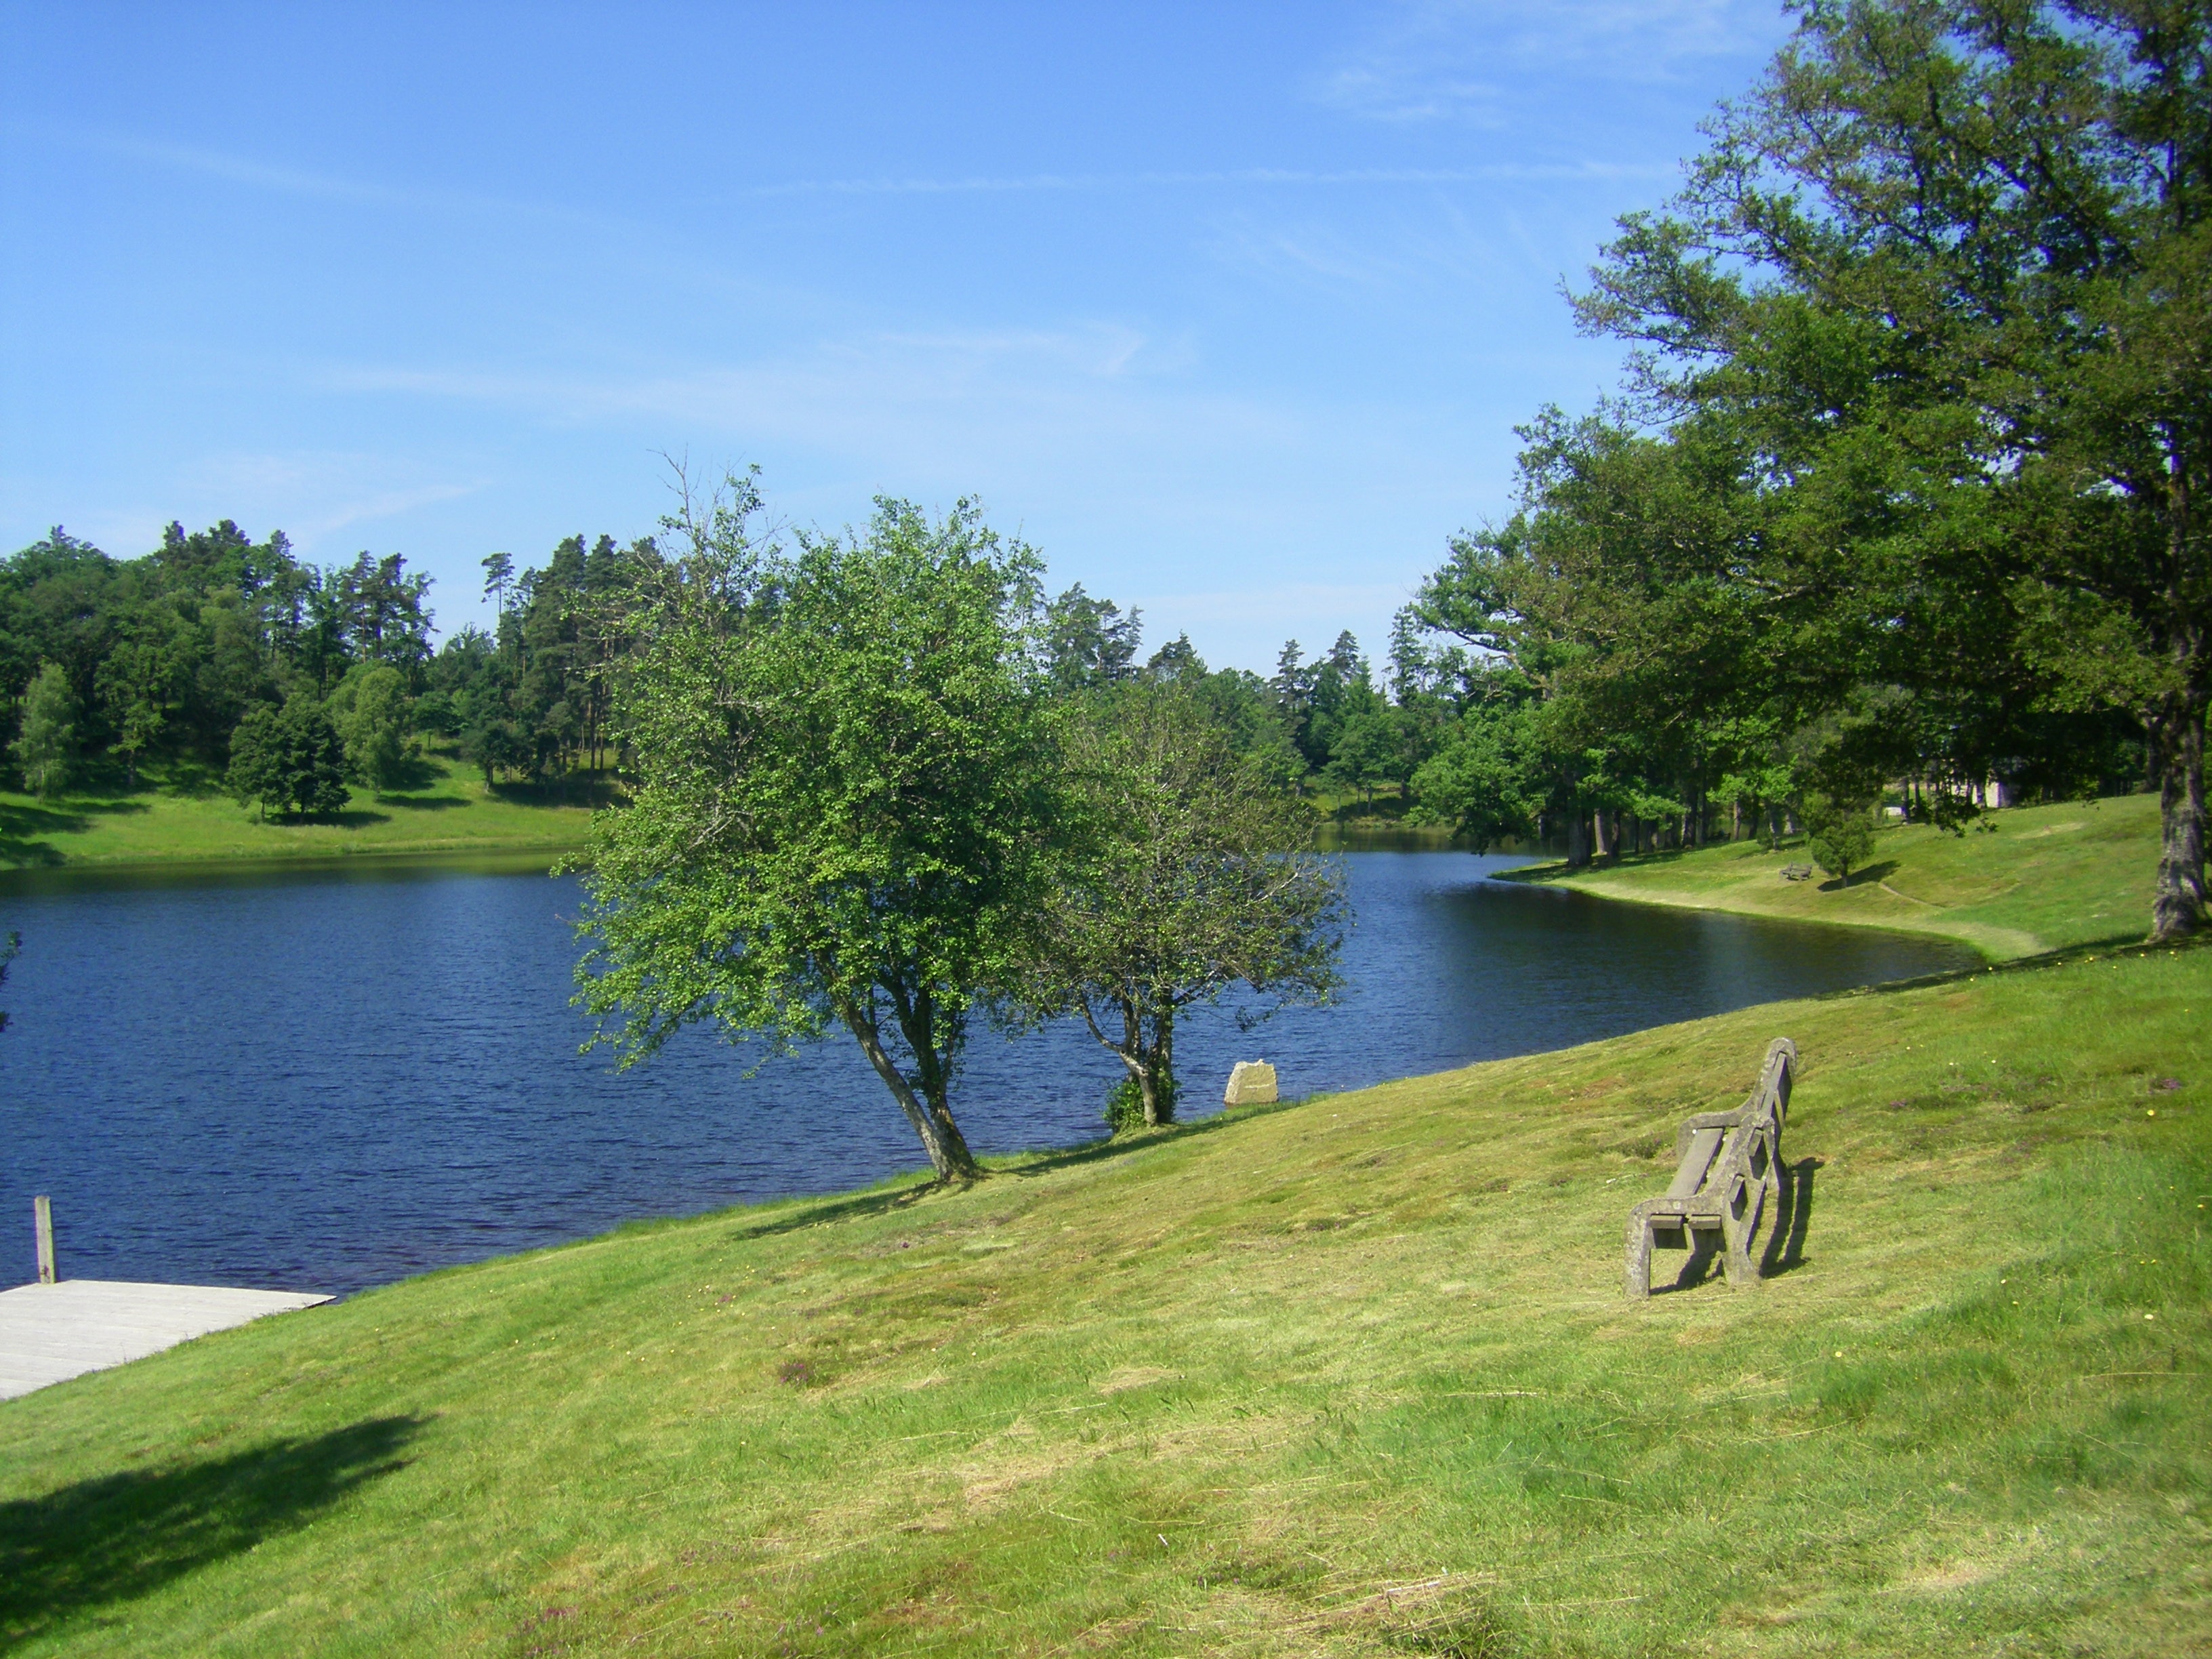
1637 1278
1735 1257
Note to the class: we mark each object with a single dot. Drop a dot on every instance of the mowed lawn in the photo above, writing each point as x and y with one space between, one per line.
2030 879
1354 1376
451 809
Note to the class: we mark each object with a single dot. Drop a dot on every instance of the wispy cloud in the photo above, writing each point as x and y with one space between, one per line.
1500 172
304 183
1476 60
315 495
890 387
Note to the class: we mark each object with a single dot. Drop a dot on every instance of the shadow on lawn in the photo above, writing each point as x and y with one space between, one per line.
22 825
1786 1225
1793 1214
886 1200
1874 872
118 1537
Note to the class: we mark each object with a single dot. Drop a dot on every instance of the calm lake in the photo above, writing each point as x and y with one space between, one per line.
328 1079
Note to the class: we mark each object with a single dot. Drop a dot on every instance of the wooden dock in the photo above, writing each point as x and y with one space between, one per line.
50 1333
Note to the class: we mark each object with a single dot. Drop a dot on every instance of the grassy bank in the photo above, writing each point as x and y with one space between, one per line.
2034 879
1351 1376
448 808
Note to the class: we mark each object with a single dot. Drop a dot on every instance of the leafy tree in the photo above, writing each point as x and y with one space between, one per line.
1491 778
1839 832
370 711
289 758
1178 659
842 796
1089 642
1186 877
1946 272
1366 751
165 653
137 685
47 742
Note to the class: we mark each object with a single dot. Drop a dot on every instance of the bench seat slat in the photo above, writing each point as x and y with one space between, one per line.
1691 1175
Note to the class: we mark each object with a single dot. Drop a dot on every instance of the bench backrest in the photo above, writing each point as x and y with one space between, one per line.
1712 1147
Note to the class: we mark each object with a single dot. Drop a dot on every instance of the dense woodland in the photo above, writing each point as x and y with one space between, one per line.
157 660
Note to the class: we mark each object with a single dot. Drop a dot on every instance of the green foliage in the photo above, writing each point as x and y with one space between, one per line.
1125 1102
538 699
843 795
1490 778
1089 642
1183 872
371 714
1968 373
1838 831
290 759
48 738
165 653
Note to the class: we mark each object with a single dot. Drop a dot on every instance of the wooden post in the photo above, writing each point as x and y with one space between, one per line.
42 1215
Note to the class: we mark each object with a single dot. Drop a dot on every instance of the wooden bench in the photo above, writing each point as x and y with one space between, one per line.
1796 872
1726 1165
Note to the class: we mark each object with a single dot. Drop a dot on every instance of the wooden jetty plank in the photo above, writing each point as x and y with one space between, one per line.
50 1333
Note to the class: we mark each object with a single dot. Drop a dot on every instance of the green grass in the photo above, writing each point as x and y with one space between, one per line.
2037 878
180 821
1350 1376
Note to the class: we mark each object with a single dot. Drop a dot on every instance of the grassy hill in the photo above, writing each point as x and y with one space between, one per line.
2034 879
1349 1376
448 808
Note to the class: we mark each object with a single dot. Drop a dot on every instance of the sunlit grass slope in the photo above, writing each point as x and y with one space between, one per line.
2034 879
1351 1376
449 809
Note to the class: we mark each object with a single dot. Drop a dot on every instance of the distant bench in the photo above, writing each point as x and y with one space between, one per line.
1726 1164
1796 872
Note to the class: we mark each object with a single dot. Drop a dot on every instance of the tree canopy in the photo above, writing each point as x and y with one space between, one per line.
840 799
1183 871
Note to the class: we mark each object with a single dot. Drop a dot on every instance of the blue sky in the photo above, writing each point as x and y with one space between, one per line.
1228 310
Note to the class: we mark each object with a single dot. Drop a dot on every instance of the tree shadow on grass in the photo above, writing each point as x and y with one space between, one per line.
118 1537
420 803
21 826
585 789
886 1200
1874 872
23 823
353 817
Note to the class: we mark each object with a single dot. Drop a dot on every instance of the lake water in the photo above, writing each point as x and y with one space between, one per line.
328 1079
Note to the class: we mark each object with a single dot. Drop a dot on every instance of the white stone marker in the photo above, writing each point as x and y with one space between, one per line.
1251 1083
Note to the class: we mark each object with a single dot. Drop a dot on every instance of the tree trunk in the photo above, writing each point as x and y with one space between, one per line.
2176 729
1578 852
948 1151
1162 1069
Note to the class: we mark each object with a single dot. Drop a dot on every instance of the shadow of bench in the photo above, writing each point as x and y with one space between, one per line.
1727 1165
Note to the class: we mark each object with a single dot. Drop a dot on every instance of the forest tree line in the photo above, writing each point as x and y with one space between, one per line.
163 659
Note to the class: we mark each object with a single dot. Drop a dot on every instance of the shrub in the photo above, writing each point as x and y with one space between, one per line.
1839 832
1125 1102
